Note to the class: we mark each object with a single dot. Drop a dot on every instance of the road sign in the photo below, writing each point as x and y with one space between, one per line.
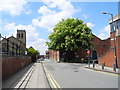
88 51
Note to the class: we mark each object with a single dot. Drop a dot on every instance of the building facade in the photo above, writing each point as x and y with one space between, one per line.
15 45
112 56
103 50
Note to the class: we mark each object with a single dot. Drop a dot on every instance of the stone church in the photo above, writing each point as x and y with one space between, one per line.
15 45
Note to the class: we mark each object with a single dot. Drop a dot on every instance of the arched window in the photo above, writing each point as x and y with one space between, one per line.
18 35
94 55
22 35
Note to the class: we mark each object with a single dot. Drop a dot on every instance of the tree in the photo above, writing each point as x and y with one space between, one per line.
70 35
33 53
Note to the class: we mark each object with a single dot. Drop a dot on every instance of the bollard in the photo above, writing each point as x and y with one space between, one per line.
93 64
89 63
103 64
114 67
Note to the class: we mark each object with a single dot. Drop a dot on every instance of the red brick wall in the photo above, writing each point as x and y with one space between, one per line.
54 55
97 43
110 53
11 64
58 55
108 58
112 34
101 46
118 50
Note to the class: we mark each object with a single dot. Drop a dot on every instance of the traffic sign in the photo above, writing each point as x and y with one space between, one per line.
88 51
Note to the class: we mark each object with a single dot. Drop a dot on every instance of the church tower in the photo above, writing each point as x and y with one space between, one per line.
21 35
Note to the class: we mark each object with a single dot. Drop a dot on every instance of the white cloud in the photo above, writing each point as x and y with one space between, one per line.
105 32
39 44
31 35
44 10
90 25
107 29
9 29
29 12
102 36
51 17
14 7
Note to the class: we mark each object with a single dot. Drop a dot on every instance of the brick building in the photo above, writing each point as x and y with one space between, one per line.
103 50
108 57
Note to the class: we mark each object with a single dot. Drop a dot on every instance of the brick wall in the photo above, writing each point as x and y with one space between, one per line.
107 58
11 64
101 46
118 50
54 55
112 35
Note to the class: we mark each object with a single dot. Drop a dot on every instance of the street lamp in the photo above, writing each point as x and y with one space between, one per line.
115 59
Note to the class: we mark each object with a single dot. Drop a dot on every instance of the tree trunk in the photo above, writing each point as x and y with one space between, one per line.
70 56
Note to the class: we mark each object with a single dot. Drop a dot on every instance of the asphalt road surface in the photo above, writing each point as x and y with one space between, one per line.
74 75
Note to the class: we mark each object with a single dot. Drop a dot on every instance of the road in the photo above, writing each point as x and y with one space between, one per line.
74 75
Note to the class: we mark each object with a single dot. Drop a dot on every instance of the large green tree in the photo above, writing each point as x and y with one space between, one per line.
70 35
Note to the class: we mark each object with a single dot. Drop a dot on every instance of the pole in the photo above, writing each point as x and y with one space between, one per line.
115 60
88 60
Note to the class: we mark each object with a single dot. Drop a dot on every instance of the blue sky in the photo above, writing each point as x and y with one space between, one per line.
39 18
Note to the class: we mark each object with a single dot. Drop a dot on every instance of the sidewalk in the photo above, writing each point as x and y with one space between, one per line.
106 69
36 80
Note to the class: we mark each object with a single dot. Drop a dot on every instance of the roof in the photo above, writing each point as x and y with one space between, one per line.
114 18
14 38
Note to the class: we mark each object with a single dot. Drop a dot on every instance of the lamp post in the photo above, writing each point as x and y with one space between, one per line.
115 59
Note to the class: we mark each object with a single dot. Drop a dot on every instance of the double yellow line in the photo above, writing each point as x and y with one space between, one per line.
52 80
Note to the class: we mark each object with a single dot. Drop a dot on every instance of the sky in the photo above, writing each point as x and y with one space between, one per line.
39 17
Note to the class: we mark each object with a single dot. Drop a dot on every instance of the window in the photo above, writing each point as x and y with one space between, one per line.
22 35
115 25
18 35
111 29
118 24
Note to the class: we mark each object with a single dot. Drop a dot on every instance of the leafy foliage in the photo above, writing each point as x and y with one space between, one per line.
33 53
70 35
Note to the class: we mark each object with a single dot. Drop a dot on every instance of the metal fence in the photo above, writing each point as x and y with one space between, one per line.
10 47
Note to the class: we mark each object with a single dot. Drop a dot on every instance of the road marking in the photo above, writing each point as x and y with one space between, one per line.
55 81
102 72
52 80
